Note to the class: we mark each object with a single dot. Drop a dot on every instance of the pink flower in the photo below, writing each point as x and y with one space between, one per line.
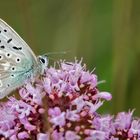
63 105
97 135
58 120
70 135
23 135
123 120
7 117
102 95
57 135
72 115
43 136
134 129
79 102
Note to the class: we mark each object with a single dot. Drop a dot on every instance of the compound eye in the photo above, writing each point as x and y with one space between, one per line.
42 60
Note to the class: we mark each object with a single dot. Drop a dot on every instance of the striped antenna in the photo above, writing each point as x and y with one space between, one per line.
52 53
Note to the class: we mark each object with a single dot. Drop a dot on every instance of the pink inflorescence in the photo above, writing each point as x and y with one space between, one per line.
62 105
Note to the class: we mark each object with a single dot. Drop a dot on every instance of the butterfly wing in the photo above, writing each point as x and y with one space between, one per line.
16 60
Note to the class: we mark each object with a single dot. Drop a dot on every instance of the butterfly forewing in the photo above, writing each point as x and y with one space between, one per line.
13 41
16 59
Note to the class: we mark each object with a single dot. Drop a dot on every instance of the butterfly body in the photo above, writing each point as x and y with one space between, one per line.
18 63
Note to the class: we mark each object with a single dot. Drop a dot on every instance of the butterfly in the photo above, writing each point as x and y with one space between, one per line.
18 63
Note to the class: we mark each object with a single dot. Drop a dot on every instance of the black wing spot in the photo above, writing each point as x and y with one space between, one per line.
5 30
17 60
2 47
12 75
8 85
13 68
0 31
9 40
8 54
1 57
0 41
17 48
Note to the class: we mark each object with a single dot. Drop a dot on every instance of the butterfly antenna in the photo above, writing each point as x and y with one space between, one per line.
50 58
52 53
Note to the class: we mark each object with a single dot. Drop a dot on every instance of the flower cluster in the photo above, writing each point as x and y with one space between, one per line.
62 105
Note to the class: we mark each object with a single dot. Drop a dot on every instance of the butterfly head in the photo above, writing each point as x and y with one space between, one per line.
43 62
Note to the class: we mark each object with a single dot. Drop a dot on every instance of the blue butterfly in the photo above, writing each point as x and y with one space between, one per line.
18 63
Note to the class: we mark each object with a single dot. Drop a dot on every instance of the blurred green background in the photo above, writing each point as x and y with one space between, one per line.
106 33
